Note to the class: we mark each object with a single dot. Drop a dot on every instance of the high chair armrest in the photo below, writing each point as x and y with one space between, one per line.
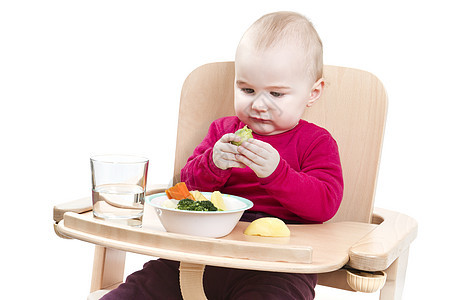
77 206
382 246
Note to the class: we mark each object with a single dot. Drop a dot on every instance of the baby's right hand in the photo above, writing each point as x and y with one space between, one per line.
224 153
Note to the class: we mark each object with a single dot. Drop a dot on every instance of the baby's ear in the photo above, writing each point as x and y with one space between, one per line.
316 92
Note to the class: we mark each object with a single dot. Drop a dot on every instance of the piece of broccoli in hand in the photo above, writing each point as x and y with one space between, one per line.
244 133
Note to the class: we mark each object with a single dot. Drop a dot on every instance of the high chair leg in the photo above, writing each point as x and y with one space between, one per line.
108 269
395 281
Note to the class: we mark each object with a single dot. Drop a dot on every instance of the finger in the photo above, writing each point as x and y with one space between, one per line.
258 152
225 156
228 161
230 137
235 164
228 148
250 155
259 144
246 161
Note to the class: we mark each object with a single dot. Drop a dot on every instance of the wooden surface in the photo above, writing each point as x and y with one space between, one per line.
387 242
77 206
207 94
353 108
304 252
107 270
322 249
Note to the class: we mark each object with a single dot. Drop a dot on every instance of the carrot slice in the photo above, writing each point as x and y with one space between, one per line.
179 192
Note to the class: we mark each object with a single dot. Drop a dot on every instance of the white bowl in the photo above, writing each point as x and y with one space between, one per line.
200 223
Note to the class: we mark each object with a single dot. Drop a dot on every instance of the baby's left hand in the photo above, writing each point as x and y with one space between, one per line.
259 156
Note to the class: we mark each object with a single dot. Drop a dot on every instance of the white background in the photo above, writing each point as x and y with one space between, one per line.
86 77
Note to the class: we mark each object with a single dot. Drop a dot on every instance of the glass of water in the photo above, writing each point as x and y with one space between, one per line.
118 188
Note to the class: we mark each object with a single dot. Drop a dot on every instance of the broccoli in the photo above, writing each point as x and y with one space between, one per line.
188 204
244 133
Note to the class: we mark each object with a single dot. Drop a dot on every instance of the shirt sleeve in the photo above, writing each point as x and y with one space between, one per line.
200 172
315 192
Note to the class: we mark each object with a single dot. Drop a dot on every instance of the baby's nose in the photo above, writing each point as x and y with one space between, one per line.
260 103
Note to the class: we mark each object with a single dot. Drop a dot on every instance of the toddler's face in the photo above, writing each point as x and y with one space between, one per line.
272 88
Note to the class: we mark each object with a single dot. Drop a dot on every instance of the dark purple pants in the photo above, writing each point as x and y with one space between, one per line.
159 280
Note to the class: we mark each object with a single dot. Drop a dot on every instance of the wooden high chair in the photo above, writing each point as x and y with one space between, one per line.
359 237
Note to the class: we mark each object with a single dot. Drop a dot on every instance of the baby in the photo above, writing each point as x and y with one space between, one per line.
290 169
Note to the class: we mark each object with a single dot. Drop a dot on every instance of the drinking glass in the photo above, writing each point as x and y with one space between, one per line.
118 188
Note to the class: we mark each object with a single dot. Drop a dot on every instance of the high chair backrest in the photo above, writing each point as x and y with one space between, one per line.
352 108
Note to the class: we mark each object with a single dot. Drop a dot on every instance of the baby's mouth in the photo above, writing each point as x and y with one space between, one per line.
260 119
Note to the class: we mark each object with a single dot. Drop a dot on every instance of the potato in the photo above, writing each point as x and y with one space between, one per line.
198 196
168 203
268 226
217 200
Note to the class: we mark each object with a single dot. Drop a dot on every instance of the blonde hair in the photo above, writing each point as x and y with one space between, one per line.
285 28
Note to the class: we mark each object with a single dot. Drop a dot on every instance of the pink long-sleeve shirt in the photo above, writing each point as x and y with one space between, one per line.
306 186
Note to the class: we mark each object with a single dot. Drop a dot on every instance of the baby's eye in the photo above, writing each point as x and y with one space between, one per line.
276 94
248 91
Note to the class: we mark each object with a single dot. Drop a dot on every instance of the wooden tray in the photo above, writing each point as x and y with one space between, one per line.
303 252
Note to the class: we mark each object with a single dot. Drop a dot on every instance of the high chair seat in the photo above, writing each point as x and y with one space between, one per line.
353 109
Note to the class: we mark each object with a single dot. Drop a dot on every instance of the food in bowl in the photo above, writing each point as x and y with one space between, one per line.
200 223
198 196
179 191
201 205
217 200
193 200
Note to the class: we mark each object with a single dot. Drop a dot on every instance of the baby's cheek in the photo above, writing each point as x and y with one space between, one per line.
289 119
240 113
238 106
